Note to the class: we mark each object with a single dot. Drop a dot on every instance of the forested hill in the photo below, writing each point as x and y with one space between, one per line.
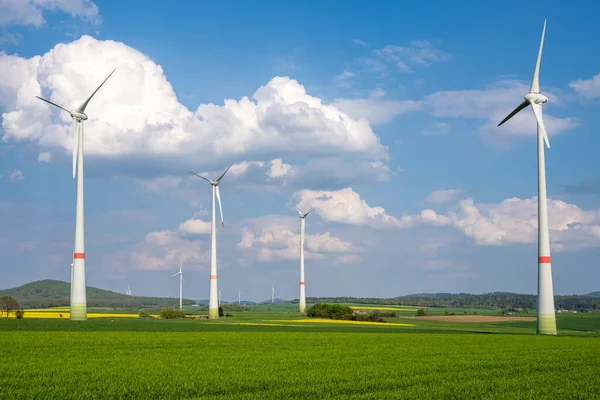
53 293
464 300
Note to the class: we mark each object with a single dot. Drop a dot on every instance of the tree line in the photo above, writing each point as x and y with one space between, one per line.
489 300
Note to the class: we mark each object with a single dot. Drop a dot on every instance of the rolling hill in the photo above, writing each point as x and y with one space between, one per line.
53 293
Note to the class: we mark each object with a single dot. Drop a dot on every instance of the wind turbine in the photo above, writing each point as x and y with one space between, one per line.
181 279
219 296
239 296
302 300
78 303
213 305
546 319
272 295
128 292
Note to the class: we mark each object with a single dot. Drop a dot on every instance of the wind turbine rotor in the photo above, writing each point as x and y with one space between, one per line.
534 97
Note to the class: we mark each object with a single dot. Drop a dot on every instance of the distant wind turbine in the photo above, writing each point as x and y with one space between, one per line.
239 296
128 292
181 279
213 307
78 303
546 319
302 289
272 295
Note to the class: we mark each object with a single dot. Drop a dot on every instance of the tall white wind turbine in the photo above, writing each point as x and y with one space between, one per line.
546 319
272 295
213 305
181 279
78 303
302 300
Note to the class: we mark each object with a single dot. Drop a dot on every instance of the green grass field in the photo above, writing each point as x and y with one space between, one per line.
242 358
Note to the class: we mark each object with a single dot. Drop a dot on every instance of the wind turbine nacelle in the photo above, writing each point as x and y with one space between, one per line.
78 115
536 98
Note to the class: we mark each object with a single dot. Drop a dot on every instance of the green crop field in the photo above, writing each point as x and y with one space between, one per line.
269 355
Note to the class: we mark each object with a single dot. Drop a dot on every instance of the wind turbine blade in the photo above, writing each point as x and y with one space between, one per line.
183 277
515 111
200 176
54 104
535 82
174 274
299 212
85 103
220 207
221 177
311 210
75 145
537 111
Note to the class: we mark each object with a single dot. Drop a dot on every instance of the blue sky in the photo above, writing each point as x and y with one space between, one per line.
380 116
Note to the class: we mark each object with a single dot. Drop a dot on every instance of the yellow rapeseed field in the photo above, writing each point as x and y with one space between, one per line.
54 313
379 308
337 321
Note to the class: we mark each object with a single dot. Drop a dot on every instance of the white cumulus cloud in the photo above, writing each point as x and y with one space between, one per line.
136 118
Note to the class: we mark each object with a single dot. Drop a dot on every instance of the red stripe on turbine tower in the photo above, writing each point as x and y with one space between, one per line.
223 224
544 260
213 277
302 283
79 255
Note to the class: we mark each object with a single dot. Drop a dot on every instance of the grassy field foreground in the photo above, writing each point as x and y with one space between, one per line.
158 359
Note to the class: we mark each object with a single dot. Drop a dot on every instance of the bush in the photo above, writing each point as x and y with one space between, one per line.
19 314
465 313
421 312
221 311
331 311
446 312
474 312
375 317
168 312
143 313
228 315
388 314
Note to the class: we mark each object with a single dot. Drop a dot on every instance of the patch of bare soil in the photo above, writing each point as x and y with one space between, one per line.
472 318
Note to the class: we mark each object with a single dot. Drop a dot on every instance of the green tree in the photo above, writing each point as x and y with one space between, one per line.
8 304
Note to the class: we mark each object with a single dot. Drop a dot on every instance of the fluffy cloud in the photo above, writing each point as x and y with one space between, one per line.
30 12
493 104
346 206
44 157
195 227
375 109
165 249
515 221
443 196
588 89
137 119
16 175
509 222
277 237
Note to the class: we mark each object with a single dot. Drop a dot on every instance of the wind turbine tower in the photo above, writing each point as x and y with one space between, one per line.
181 279
302 289
213 304
219 296
78 303
546 319
128 292
272 295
